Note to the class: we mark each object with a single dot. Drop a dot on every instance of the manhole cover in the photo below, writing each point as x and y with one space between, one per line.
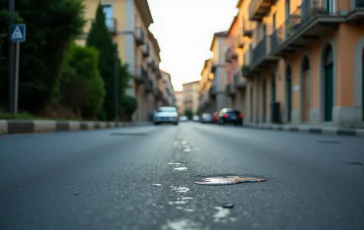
128 134
229 180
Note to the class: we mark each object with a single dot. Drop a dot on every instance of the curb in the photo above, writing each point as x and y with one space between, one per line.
38 126
310 129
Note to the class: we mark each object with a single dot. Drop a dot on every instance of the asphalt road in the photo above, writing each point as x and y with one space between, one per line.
102 179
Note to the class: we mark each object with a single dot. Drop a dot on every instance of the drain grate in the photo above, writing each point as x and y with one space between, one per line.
128 134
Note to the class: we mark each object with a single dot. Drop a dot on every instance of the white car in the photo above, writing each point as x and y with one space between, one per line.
196 118
183 118
166 115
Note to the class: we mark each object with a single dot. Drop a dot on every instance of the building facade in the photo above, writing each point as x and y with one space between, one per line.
191 96
167 90
179 102
128 21
302 61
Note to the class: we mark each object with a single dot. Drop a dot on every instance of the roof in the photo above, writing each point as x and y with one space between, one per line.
205 65
216 35
239 3
155 44
191 82
232 24
144 6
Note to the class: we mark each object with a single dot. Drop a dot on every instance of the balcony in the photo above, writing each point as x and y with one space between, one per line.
212 91
261 58
247 28
139 36
230 90
227 56
145 50
240 42
140 74
309 22
158 93
152 65
239 82
213 68
259 8
356 12
148 85
159 73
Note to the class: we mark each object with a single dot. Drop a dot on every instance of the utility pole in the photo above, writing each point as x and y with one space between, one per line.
116 88
11 57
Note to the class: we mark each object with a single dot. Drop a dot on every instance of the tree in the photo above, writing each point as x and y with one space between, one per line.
82 88
51 26
188 113
129 106
100 38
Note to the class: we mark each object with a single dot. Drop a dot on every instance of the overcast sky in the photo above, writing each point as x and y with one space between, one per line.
184 30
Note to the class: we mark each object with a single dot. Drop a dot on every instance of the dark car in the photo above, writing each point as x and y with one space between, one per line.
230 116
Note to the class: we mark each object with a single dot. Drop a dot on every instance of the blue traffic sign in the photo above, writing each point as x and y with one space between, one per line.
18 32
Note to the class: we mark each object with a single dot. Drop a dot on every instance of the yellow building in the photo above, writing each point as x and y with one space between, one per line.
191 96
304 61
128 21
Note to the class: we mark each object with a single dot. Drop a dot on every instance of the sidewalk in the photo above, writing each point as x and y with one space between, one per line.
320 129
37 126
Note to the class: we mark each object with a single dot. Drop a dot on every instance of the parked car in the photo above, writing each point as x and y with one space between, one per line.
215 117
206 118
230 116
183 118
196 118
166 115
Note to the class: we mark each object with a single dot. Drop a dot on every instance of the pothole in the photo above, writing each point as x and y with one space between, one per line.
229 180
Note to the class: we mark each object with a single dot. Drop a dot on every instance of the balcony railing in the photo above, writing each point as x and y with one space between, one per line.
212 91
229 90
227 55
247 28
354 4
148 85
213 68
140 73
298 20
259 8
146 50
240 42
152 65
260 50
139 36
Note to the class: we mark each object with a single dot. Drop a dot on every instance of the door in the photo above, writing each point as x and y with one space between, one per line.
306 96
289 93
329 92
251 104
264 102
362 83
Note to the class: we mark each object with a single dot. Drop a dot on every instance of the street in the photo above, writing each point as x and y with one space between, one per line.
144 178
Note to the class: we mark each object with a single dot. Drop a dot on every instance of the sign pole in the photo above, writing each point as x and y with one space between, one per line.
16 78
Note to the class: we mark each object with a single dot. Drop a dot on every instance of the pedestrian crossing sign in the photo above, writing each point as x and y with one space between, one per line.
18 33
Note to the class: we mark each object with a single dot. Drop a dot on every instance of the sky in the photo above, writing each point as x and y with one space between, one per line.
184 30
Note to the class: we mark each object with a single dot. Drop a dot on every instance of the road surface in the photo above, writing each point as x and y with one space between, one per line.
104 179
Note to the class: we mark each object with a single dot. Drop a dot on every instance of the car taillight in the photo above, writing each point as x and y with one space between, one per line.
226 115
240 115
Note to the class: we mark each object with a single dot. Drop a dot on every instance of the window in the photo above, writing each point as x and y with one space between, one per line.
274 21
288 7
108 11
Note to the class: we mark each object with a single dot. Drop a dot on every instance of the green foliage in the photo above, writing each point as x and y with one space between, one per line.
129 105
82 88
100 38
189 114
51 26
